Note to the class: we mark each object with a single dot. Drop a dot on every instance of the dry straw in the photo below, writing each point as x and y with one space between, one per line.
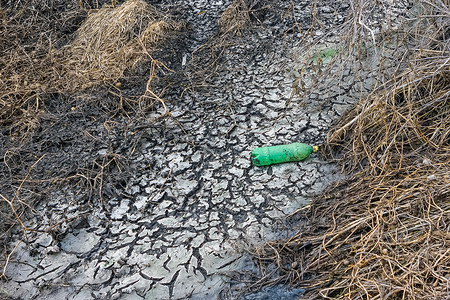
235 18
113 40
384 233
110 42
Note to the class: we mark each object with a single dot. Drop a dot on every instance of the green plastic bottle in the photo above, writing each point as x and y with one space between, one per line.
266 156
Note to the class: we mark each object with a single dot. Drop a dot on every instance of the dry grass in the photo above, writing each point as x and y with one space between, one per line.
110 42
113 40
384 233
235 21
235 18
49 53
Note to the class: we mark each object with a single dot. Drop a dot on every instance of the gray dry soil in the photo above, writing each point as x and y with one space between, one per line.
195 201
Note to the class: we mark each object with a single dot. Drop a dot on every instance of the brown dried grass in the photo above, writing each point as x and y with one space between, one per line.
384 233
235 18
113 40
41 54
234 22
110 42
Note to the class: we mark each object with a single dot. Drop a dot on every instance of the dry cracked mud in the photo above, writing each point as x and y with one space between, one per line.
194 201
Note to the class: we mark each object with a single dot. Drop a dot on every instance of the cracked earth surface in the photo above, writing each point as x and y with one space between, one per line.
195 200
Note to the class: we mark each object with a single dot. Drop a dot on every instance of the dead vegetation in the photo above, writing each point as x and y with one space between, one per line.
235 18
113 40
235 21
109 42
239 15
51 53
384 233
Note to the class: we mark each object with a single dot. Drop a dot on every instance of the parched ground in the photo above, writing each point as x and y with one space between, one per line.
180 199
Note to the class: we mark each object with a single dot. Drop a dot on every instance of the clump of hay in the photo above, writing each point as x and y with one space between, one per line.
113 40
109 42
384 232
235 18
